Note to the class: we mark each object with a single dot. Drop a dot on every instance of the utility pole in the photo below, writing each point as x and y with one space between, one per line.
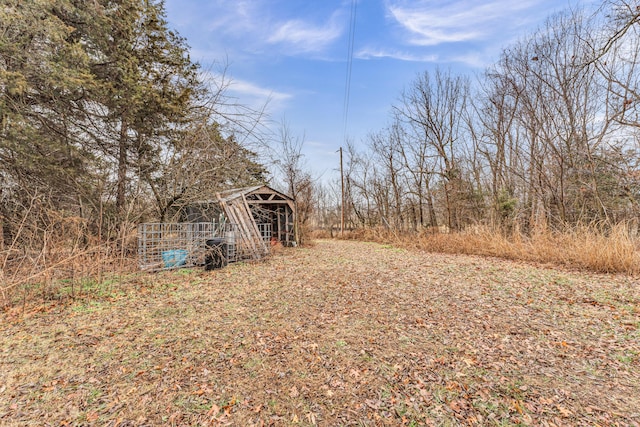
342 192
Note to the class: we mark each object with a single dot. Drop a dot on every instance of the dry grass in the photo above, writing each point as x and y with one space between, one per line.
66 274
617 251
61 264
342 333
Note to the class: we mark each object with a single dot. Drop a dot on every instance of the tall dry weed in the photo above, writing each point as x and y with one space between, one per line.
56 264
613 249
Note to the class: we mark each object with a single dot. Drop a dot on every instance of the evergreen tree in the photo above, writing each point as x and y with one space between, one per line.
100 103
43 80
145 82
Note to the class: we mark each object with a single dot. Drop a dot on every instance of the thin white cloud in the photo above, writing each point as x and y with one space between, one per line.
371 53
255 25
233 17
430 23
249 89
471 59
303 36
316 144
234 93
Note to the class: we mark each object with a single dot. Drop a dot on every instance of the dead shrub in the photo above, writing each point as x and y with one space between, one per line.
58 257
594 248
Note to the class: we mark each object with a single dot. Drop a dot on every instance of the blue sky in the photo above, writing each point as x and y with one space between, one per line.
294 53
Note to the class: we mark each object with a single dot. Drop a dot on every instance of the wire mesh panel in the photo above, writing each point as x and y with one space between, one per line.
175 245
242 247
230 234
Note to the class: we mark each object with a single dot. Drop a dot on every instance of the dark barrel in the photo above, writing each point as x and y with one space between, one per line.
216 256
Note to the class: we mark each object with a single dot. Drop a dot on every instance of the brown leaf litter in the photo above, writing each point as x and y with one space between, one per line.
341 333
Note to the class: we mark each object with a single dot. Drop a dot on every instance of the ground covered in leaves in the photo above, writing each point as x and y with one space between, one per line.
341 333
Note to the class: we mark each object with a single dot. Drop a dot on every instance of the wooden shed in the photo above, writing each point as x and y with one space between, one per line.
245 222
254 207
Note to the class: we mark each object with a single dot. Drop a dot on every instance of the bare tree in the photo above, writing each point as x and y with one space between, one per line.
289 160
388 148
433 108
550 138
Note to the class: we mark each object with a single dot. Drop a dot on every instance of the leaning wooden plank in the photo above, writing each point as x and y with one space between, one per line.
232 212
254 235
236 219
260 241
242 232
239 232
245 225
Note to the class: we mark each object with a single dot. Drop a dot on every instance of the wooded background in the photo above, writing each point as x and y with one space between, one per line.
545 137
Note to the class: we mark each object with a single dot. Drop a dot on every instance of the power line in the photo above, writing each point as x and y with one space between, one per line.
347 93
347 88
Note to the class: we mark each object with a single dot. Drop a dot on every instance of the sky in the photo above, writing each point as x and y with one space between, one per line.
293 56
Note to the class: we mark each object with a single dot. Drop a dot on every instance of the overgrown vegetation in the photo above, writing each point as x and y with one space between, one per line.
104 122
613 250
107 122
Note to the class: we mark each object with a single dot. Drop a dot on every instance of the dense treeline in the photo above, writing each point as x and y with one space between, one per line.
105 121
548 137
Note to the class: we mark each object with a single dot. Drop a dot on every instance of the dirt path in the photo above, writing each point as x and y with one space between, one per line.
343 333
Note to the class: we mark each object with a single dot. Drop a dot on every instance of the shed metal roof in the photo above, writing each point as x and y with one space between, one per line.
273 196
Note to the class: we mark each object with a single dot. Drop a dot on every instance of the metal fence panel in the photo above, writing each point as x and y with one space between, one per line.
164 246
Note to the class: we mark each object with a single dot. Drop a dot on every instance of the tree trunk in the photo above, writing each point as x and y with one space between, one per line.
433 220
122 171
